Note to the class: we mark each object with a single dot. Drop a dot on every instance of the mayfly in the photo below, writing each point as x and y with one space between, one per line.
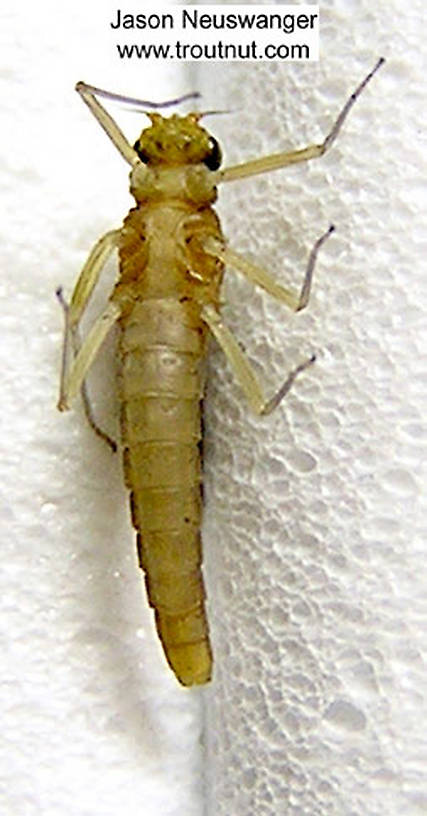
166 302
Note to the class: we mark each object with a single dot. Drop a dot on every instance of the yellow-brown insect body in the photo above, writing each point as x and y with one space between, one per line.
166 279
166 301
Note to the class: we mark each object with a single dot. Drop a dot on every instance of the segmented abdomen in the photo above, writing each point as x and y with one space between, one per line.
162 348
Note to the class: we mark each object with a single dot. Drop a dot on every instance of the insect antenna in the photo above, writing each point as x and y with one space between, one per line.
215 113
136 104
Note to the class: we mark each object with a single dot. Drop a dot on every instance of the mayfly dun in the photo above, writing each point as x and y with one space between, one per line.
166 302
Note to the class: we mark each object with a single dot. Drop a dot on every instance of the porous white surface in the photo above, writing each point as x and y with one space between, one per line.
315 517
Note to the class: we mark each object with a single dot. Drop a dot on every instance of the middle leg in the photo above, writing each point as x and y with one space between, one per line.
255 274
73 333
86 353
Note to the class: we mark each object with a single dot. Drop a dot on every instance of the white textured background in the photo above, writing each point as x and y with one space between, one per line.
316 517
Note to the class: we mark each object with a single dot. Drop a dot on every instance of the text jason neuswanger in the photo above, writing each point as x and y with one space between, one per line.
194 20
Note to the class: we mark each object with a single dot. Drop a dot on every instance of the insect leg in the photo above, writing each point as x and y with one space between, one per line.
90 273
75 340
74 377
277 160
242 368
107 123
255 274
83 289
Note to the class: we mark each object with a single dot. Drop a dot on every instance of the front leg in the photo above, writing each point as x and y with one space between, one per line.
111 128
278 160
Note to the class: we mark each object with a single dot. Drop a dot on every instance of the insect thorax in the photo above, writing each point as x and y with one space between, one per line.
194 184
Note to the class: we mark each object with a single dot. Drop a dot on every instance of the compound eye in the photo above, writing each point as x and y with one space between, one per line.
141 154
214 157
